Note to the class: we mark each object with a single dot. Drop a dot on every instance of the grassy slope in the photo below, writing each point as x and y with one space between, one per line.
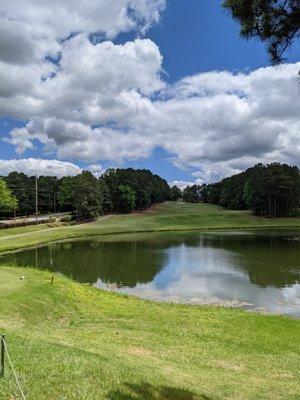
168 216
70 341
73 342
30 228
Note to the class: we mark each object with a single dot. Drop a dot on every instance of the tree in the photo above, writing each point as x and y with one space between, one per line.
232 193
88 197
273 190
176 193
23 188
84 192
275 22
214 193
204 193
192 194
47 193
66 193
126 199
107 203
147 187
7 201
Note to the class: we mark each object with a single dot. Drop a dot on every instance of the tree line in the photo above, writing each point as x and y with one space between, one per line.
271 190
87 197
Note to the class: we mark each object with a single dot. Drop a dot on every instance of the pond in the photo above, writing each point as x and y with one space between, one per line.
254 270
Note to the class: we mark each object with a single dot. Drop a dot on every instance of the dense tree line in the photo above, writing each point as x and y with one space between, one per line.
270 190
129 189
192 194
117 190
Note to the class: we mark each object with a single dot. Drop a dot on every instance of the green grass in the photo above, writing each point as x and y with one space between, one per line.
70 341
30 228
170 216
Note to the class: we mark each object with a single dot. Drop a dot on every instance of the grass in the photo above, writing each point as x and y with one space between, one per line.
70 341
29 228
170 216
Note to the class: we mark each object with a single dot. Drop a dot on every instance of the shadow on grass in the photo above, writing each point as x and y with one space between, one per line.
146 391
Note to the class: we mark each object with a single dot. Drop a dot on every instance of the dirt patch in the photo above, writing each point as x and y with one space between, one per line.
140 351
63 320
231 366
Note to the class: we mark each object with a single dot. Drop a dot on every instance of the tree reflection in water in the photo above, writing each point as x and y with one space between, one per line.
269 259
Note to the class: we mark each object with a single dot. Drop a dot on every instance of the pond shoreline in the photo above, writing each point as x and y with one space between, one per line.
228 268
83 235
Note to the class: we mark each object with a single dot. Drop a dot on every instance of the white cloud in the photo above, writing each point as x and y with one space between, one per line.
21 139
42 23
16 45
181 184
34 166
217 133
96 169
103 101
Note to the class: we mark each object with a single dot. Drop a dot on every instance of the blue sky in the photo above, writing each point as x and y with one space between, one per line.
193 39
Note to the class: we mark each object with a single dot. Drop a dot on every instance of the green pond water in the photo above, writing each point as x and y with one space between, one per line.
254 270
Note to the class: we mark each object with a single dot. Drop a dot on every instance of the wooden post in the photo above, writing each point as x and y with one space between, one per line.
2 338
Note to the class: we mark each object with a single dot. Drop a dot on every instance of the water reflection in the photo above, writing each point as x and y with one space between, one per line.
236 268
87 261
268 259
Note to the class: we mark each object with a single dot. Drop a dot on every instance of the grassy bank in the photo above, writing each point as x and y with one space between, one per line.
170 216
70 341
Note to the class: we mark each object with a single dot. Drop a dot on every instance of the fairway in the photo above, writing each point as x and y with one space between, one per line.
169 216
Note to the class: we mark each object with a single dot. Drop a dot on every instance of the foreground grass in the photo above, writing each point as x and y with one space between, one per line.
170 216
70 341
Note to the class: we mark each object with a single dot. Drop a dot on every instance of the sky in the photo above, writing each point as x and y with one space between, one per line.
165 85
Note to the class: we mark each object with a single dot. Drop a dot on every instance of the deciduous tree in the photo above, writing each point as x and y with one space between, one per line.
7 201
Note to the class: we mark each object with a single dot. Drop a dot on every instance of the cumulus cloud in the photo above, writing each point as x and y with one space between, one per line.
41 24
21 139
103 101
16 45
182 184
60 18
35 166
213 130
96 169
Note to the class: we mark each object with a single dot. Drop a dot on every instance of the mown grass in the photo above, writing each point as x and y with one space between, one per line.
30 228
170 216
70 341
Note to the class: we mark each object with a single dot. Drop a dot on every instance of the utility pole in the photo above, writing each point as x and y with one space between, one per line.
36 200
54 203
